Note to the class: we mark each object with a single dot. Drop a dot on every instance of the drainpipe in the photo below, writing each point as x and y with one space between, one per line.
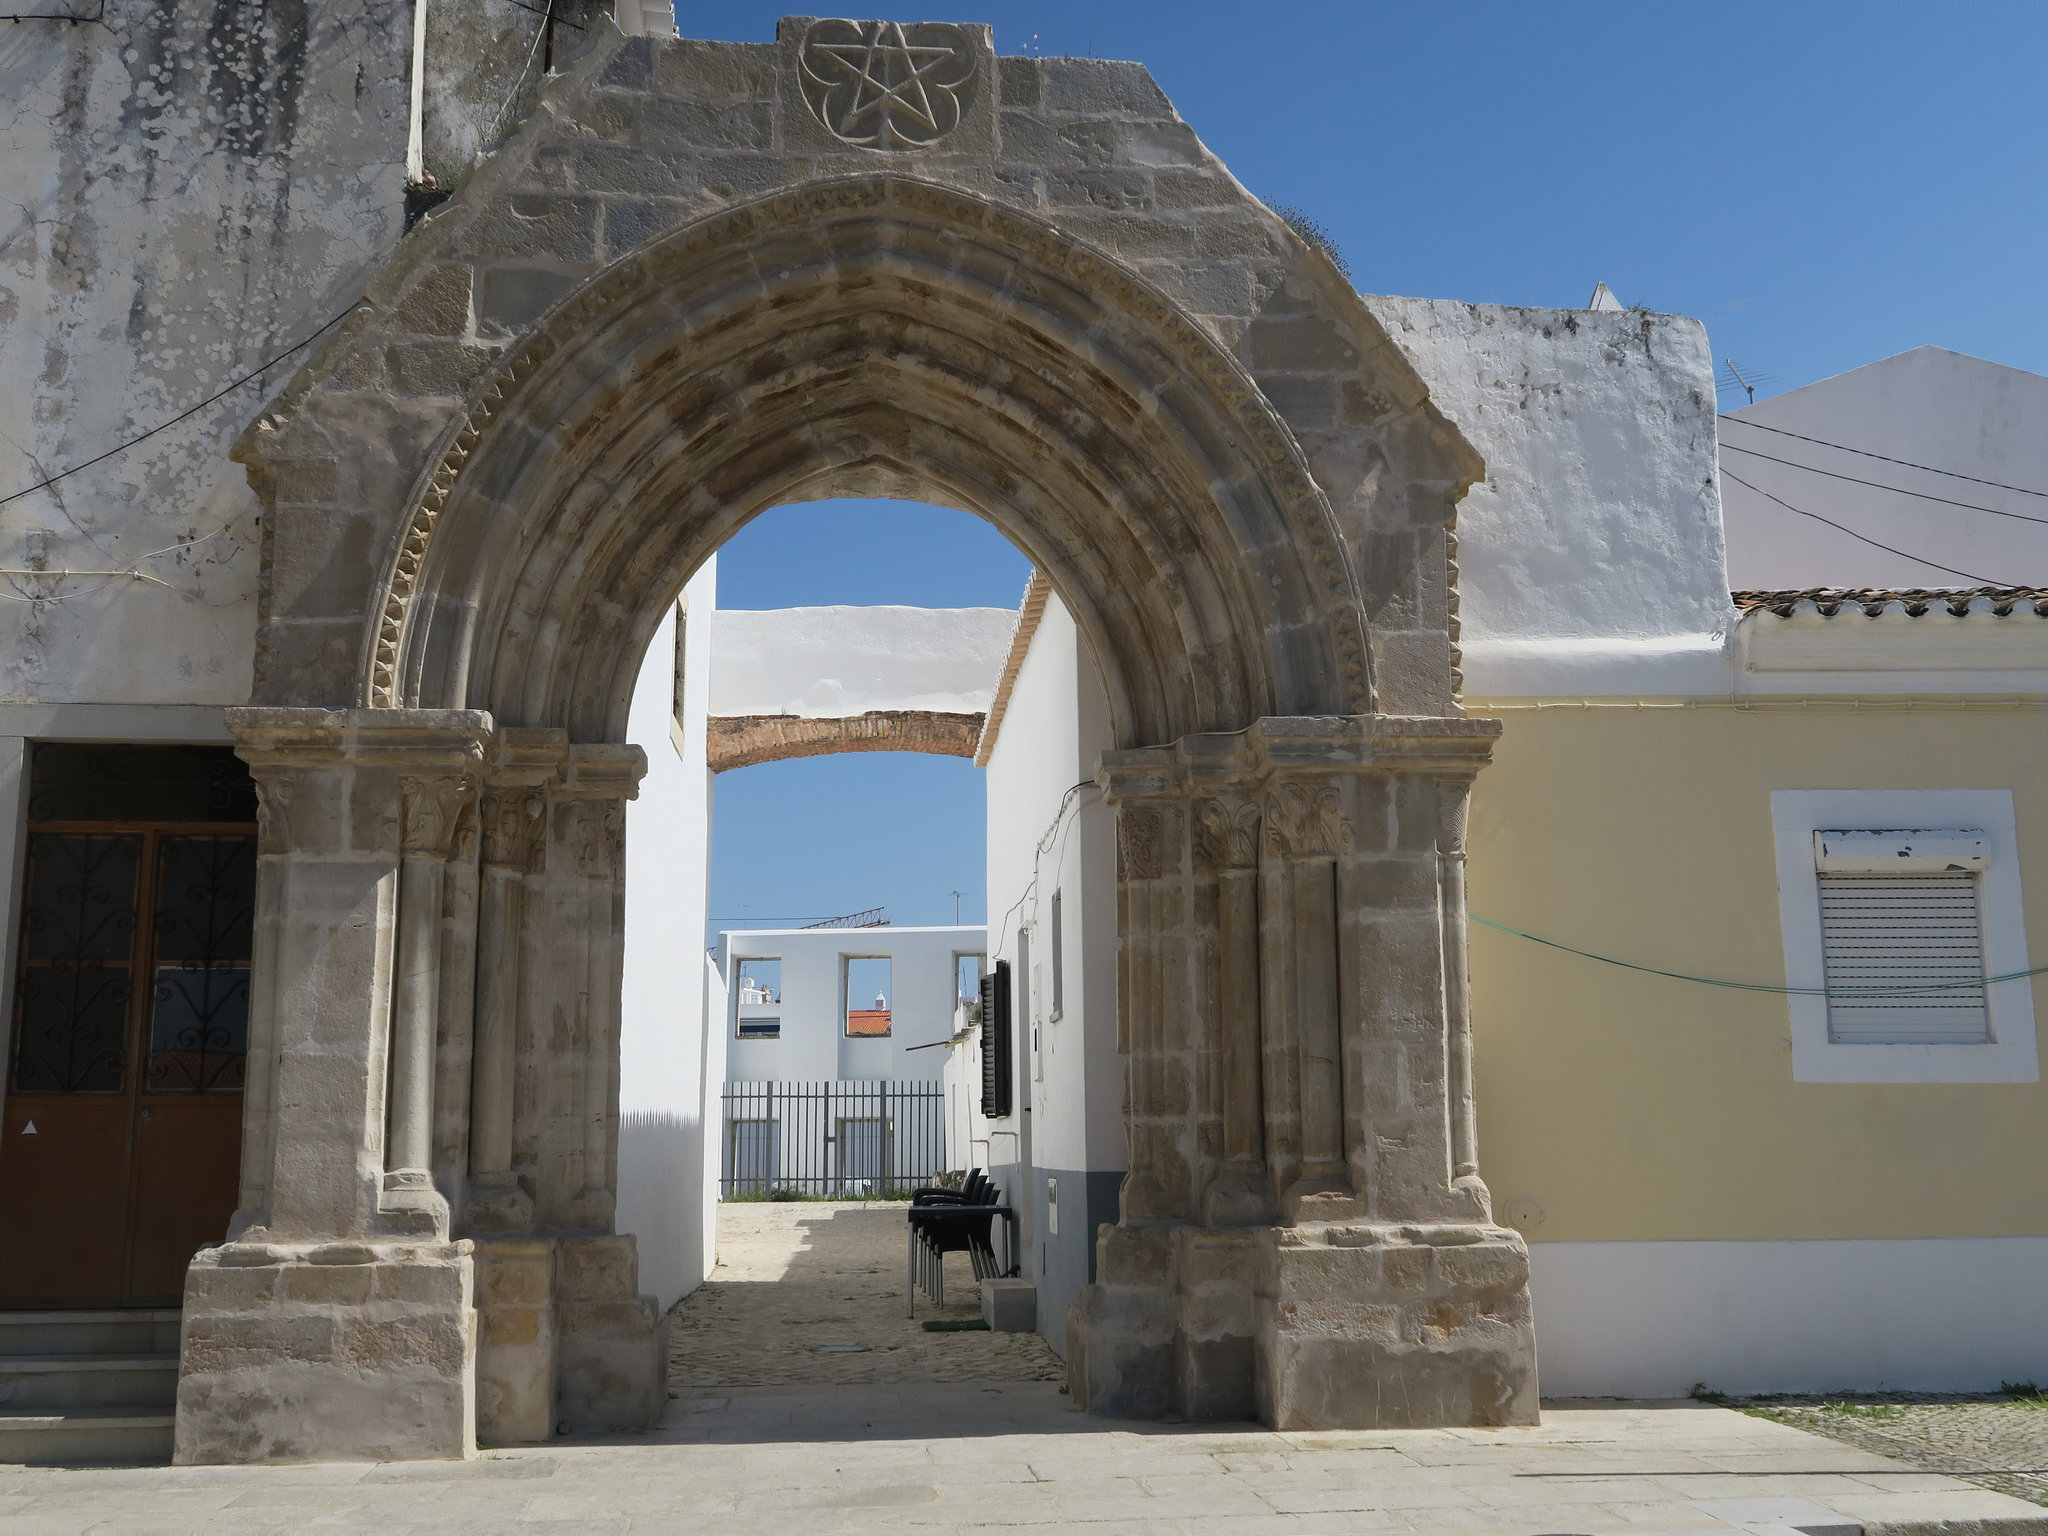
415 128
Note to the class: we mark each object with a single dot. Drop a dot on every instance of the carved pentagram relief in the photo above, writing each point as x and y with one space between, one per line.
885 84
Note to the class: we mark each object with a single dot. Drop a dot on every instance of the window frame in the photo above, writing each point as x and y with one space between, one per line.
1058 960
846 1008
739 965
2009 1055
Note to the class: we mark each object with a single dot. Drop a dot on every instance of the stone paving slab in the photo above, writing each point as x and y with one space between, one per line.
1015 1456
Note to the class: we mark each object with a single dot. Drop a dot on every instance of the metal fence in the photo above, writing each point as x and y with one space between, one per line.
841 1140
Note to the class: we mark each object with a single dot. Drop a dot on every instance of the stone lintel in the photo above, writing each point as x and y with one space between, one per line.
527 755
1280 745
447 740
740 741
603 770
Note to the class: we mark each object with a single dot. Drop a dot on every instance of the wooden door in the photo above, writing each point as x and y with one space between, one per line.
122 1132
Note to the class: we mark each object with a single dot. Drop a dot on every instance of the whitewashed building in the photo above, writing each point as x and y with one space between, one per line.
1726 1175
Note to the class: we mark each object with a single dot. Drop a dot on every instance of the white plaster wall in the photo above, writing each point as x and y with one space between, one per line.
1651 1319
1852 652
814 1047
825 663
184 198
664 1068
716 1001
1928 405
1053 732
1590 558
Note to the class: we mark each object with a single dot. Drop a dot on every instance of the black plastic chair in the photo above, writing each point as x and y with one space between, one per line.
944 1221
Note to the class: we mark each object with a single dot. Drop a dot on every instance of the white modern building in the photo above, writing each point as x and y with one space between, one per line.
843 1004
835 1047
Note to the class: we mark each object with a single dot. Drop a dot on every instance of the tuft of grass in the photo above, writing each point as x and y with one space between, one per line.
1315 235
1850 1410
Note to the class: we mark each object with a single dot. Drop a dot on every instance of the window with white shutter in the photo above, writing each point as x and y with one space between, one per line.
1902 934
1899 909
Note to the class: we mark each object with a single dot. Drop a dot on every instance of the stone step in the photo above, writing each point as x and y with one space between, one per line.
126 1331
59 1383
86 1437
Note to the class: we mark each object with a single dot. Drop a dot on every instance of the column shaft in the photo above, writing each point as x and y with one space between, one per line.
414 1015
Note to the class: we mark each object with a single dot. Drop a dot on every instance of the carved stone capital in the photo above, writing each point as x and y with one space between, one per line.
515 824
1146 834
1453 811
1227 831
273 812
433 808
1305 818
595 831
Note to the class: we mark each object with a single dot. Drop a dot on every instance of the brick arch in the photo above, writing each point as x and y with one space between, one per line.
746 741
863 330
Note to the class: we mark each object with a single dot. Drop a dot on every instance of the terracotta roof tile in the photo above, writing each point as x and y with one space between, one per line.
1913 602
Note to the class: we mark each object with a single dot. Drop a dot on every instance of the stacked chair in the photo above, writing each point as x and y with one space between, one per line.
944 1221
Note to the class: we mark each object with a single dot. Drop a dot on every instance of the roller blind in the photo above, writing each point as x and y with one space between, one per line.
1904 957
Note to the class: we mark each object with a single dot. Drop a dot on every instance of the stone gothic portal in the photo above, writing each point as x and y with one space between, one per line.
863 259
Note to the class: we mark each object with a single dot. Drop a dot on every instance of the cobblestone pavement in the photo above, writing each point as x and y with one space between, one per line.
1014 1456
1995 1442
812 1294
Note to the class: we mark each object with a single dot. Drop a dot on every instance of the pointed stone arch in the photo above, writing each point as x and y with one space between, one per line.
871 333
563 392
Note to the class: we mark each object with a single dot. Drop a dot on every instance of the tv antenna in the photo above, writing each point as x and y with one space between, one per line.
1747 387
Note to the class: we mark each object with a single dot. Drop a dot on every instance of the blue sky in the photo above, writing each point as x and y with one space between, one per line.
1823 184
814 837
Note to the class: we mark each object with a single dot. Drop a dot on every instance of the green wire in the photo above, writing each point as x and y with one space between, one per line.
1758 986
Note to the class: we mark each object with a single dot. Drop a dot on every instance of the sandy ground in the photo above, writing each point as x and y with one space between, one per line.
812 1294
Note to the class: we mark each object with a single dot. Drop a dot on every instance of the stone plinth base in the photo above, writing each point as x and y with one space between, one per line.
515 1357
568 1347
1365 1326
1340 1325
336 1351
611 1366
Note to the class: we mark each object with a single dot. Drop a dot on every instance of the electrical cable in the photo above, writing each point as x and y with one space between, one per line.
1990 581
1899 490
131 572
1044 843
519 81
1758 986
1743 421
98 18
549 14
221 394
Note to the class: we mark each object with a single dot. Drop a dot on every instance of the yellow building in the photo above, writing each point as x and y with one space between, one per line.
1772 1128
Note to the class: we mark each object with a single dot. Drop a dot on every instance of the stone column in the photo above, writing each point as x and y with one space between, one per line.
1454 803
1239 1192
523 762
336 1321
1360 1282
433 805
611 1354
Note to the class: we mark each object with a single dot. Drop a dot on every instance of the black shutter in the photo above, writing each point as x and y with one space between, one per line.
996 1052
